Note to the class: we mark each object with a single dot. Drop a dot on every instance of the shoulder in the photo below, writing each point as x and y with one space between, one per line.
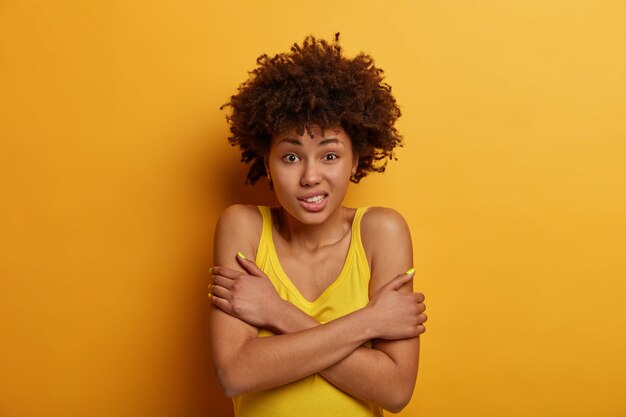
382 221
240 214
387 243
238 229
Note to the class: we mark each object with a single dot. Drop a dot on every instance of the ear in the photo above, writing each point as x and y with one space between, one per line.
266 163
355 163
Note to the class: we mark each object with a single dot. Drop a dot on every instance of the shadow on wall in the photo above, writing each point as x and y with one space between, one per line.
238 192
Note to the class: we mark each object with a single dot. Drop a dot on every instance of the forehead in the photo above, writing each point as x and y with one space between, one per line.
316 137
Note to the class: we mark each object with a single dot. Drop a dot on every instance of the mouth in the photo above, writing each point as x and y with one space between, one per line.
313 201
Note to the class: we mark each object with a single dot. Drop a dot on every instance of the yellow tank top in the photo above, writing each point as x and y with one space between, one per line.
312 396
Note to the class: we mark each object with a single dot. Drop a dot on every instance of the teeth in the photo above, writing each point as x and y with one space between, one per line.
315 199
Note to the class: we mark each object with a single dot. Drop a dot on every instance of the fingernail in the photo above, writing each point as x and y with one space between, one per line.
241 255
410 271
211 270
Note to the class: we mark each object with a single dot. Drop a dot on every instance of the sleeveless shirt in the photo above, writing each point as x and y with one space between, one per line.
312 396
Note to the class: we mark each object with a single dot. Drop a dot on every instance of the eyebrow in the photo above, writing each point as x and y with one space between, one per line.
322 142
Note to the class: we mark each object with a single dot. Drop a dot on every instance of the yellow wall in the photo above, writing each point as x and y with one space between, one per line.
114 166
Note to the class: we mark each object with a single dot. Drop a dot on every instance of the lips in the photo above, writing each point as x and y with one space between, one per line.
314 201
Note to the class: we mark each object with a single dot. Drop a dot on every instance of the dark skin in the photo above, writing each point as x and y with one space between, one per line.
246 301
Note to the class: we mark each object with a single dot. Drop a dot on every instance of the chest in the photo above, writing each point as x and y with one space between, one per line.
312 272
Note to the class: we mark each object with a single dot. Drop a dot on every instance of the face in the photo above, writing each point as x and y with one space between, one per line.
311 175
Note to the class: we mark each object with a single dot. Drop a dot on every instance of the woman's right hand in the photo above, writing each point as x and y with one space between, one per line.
397 314
249 296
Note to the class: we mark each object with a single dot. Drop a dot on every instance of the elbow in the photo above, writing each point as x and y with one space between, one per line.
398 401
229 383
230 391
395 408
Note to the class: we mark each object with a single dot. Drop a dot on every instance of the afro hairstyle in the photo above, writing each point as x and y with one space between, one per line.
315 84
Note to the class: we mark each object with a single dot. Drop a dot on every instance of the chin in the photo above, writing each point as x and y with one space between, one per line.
310 218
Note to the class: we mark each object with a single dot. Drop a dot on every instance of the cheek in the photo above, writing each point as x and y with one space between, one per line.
340 177
283 182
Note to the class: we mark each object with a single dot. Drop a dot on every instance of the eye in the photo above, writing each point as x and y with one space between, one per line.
291 158
331 157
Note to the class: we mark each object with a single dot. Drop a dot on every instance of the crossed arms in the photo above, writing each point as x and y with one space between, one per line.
244 301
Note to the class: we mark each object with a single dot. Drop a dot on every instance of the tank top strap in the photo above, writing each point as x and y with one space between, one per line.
266 236
357 243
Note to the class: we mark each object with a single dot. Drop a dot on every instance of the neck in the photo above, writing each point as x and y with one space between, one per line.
314 236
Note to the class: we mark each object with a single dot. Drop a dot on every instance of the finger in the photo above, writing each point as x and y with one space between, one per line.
222 281
221 292
419 297
421 307
222 304
422 318
226 272
249 265
399 281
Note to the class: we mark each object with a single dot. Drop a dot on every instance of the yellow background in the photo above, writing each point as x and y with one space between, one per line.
114 167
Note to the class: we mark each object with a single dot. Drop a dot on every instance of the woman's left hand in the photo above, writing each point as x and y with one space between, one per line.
249 296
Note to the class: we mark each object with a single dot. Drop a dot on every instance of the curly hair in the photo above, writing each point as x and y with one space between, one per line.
315 84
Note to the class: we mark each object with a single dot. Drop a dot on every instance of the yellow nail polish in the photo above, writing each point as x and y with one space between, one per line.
410 271
241 255
211 270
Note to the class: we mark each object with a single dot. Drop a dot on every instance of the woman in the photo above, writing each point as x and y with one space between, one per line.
314 310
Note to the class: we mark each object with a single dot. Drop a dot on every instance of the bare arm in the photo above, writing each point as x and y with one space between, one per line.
387 242
245 362
384 375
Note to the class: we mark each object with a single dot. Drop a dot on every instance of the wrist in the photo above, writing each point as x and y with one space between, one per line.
279 318
366 322
290 319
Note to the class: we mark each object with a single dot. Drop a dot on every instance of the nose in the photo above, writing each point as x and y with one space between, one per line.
311 175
